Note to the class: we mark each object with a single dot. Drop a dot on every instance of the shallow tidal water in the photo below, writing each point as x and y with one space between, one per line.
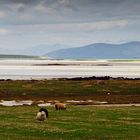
47 69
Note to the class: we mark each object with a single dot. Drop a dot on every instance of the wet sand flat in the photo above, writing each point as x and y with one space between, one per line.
48 69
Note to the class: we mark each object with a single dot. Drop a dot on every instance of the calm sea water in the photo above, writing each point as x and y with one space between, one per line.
46 69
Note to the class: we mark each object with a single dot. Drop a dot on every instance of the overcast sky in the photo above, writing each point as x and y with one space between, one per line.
28 23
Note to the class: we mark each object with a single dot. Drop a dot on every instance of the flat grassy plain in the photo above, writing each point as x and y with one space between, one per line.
120 91
76 123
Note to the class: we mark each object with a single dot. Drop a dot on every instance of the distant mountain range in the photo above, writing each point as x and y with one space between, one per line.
42 49
130 50
38 50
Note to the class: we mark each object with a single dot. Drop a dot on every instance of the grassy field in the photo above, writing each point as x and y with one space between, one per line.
120 91
76 123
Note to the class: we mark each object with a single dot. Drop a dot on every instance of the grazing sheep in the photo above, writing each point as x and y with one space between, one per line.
60 106
41 116
45 110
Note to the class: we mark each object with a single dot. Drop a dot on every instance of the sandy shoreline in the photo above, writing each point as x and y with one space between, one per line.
65 62
37 72
48 69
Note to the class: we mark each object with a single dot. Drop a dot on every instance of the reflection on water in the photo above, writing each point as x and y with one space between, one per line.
15 103
51 103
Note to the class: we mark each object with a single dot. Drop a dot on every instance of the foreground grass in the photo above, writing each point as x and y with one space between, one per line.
76 123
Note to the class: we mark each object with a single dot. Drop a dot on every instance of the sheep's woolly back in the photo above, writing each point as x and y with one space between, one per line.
60 106
45 110
41 116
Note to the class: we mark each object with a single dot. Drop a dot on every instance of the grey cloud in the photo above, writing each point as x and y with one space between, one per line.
80 2
28 2
18 1
67 11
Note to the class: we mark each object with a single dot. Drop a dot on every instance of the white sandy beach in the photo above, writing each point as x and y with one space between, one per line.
46 69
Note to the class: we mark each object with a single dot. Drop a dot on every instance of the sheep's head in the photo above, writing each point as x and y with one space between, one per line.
41 116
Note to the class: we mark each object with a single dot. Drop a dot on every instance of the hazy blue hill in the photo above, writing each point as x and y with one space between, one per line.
38 50
100 51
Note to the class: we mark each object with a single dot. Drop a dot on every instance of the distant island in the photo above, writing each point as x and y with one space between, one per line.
2 56
130 50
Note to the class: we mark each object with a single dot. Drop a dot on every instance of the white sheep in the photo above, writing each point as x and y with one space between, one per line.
42 114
